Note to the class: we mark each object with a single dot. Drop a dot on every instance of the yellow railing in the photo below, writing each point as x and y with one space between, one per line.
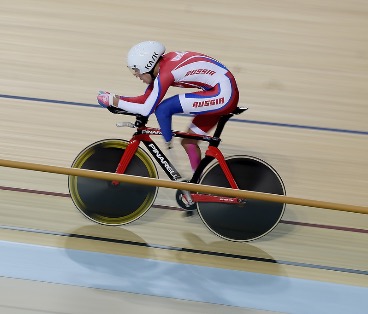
183 186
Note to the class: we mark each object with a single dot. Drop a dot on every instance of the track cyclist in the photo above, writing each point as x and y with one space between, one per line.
218 92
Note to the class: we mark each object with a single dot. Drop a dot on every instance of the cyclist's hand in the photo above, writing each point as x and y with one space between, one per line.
105 99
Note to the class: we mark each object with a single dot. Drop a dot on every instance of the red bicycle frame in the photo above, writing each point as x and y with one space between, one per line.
143 135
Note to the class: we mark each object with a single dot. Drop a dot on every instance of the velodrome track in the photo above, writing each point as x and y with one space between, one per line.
302 71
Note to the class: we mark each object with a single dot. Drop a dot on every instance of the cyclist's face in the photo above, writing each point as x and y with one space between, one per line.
145 77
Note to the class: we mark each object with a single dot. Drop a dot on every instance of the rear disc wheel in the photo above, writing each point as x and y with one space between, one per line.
252 219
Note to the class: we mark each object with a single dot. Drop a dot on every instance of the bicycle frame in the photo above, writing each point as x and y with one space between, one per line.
235 219
143 135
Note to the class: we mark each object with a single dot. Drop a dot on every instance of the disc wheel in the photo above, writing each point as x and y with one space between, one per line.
252 219
100 200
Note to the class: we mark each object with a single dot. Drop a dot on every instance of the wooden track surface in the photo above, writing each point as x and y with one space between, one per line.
302 63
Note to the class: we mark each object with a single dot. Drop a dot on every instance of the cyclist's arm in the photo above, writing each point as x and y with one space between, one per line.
146 104
139 99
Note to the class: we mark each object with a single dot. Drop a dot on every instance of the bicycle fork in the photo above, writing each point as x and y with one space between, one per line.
126 158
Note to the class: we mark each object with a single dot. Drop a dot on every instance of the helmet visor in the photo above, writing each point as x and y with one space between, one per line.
135 71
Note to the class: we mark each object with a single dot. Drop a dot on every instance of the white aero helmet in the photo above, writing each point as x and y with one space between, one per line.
143 56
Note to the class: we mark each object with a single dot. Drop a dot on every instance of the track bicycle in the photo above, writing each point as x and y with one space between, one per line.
118 203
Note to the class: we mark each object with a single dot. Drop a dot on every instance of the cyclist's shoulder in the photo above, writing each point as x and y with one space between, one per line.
174 58
177 59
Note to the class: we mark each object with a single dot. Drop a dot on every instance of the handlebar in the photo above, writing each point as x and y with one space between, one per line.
125 124
140 120
116 110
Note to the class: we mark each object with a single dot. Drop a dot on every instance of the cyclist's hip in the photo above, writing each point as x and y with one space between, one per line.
223 97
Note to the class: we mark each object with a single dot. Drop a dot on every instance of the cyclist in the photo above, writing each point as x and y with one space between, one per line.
218 93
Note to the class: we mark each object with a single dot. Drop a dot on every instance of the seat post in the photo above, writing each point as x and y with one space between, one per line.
221 124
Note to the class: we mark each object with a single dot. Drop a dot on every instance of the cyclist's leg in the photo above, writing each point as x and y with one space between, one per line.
219 100
208 106
164 112
205 123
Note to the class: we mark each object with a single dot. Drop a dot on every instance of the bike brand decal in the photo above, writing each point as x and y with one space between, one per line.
200 71
154 132
211 102
164 162
152 62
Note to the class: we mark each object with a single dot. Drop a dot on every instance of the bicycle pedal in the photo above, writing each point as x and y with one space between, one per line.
183 202
189 212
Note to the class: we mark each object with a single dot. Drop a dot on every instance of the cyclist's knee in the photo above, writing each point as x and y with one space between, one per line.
187 141
184 142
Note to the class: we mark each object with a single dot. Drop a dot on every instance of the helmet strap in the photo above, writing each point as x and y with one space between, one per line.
151 73
153 69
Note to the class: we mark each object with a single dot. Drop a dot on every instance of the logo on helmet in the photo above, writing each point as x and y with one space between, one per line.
152 62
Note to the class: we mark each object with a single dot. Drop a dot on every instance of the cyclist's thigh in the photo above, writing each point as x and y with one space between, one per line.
210 105
164 112
203 123
220 99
